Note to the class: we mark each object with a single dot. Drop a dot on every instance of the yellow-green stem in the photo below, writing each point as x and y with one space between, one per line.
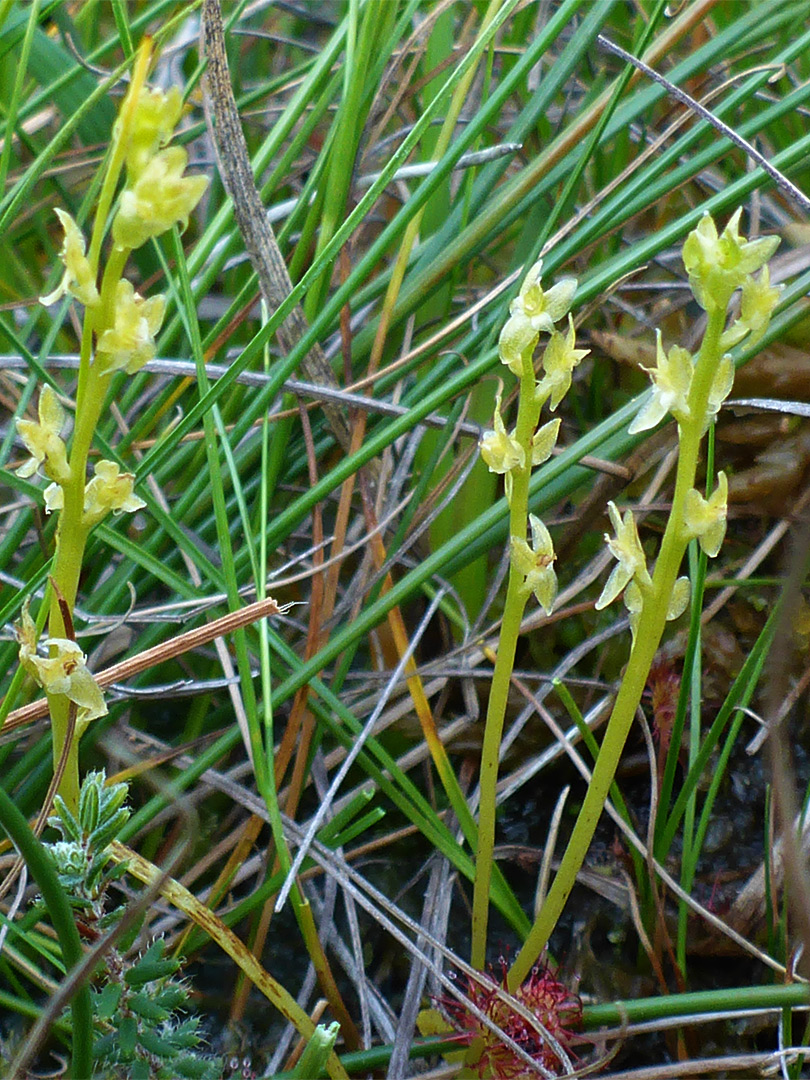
528 414
67 567
90 394
647 638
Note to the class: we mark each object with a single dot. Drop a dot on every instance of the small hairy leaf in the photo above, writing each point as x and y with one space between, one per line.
150 971
108 830
65 821
89 802
127 1035
145 1006
106 1000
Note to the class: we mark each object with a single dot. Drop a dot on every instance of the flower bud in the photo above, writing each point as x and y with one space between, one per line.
517 338
679 601
54 496
721 387
544 440
759 299
154 119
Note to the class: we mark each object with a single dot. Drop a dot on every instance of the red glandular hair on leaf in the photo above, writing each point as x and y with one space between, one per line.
556 1008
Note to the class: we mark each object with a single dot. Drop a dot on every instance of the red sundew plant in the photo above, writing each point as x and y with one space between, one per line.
556 1008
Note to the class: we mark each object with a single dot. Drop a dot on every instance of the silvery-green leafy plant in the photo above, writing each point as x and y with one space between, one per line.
138 1006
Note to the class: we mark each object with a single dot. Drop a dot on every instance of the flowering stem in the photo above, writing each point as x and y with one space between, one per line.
647 639
516 596
91 391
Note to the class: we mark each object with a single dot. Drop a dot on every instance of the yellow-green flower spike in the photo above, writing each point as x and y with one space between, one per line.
43 439
130 343
160 198
78 279
64 672
705 519
536 564
626 548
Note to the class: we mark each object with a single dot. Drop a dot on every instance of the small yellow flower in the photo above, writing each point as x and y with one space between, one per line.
131 342
559 360
717 265
543 309
153 122
536 563
501 451
63 672
626 548
109 490
43 439
671 379
759 299
706 518
160 198
517 338
78 279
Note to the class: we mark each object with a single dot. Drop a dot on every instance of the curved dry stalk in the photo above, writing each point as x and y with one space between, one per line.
167 650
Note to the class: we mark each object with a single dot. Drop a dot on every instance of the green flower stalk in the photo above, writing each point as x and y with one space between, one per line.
531 571
691 390
118 334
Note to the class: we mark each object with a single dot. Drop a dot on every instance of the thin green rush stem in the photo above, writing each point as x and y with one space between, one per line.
44 873
516 596
648 636
619 1013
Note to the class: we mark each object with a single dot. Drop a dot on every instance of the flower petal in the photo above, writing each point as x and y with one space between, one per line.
160 198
